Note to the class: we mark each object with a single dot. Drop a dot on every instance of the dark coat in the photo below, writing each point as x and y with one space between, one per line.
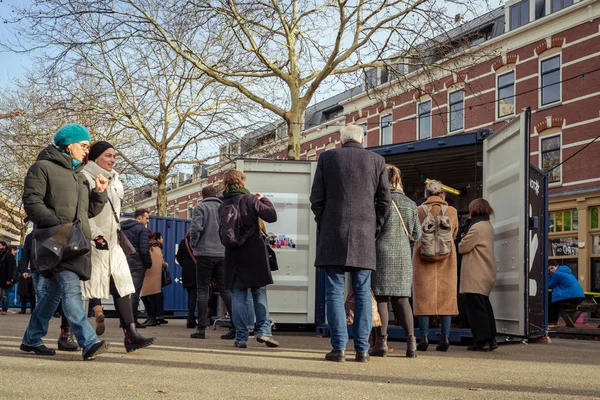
248 264
188 266
139 238
50 198
8 269
350 198
24 261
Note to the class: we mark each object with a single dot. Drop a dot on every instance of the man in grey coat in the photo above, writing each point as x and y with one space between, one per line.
350 198
210 257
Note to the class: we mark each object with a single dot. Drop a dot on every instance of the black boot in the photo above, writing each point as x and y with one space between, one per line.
423 344
443 345
191 323
96 350
199 333
411 347
229 335
66 341
133 339
336 355
362 356
380 349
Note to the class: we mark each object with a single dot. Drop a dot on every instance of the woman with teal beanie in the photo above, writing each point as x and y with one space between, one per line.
53 186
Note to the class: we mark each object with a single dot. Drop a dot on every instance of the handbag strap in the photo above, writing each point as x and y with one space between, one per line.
114 212
77 216
402 220
189 250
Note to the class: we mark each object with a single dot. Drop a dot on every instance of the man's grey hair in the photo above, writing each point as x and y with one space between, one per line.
351 132
434 188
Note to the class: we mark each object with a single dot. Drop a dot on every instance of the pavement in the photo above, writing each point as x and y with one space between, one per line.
178 367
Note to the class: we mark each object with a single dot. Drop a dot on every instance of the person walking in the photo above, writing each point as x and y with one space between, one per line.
392 280
110 271
435 286
350 198
8 274
478 274
139 236
210 258
185 258
152 286
247 265
54 191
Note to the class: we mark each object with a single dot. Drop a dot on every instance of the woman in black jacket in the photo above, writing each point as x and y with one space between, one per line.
247 266
187 261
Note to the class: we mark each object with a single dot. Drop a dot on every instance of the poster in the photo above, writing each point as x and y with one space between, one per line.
283 234
537 236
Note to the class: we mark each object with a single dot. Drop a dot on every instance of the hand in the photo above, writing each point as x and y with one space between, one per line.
9 282
259 195
101 183
25 275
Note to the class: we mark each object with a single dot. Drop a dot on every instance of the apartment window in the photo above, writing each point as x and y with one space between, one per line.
550 80
519 14
506 94
424 112
457 110
371 78
558 5
384 75
365 135
386 129
190 211
563 221
551 158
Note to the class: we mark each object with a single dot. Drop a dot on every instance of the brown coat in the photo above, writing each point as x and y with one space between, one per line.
435 283
478 272
153 278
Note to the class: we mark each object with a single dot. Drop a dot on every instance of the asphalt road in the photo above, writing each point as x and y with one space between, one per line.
178 367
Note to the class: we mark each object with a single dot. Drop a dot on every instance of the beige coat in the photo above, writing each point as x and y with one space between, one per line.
478 272
435 283
153 278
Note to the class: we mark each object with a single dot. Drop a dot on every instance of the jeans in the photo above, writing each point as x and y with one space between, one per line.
5 293
424 325
240 312
62 284
207 268
336 313
250 307
138 276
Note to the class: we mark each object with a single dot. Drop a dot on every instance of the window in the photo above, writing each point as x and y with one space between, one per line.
424 112
311 155
386 129
563 221
371 78
594 214
564 247
506 94
457 110
550 80
519 14
333 113
558 5
384 75
551 158
190 211
365 135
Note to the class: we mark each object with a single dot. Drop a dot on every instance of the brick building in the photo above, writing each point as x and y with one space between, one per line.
542 54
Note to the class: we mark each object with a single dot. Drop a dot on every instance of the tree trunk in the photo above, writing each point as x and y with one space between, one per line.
295 125
161 180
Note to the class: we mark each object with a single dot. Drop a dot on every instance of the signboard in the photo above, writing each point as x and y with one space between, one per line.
283 234
561 247
537 237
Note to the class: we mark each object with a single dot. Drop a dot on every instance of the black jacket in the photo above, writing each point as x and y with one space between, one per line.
8 269
138 236
188 266
350 198
26 255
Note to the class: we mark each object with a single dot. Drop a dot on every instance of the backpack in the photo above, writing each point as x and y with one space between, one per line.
436 241
231 229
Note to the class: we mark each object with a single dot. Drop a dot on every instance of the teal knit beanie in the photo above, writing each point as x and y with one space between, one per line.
71 133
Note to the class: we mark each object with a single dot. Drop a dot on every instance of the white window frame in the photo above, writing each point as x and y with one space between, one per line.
549 7
381 143
462 128
498 76
560 71
190 210
419 119
365 128
530 4
541 160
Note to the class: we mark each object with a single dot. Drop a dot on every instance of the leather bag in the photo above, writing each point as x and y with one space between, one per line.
124 242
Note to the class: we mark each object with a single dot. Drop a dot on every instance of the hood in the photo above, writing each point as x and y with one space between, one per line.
128 224
435 200
212 199
564 269
52 154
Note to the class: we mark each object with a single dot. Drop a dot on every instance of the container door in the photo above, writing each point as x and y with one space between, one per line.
287 184
505 170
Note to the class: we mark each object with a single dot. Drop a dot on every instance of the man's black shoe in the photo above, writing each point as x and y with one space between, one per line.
139 326
96 350
229 335
479 347
200 333
39 350
162 321
493 345
336 355
362 356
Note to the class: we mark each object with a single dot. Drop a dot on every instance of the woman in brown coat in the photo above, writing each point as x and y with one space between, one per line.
478 274
152 287
435 282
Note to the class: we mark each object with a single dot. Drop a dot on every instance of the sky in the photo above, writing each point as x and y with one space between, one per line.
12 65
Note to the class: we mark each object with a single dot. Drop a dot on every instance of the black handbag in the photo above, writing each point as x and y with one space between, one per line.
124 242
270 254
166 277
59 243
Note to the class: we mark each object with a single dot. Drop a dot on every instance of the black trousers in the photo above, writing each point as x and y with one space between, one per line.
138 276
27 299
192 300
555 306
481 317
207 268
152 305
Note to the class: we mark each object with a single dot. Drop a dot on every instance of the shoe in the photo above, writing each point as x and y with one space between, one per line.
150 321
251 333
139 326
493 345
411 347
380 349
191 324
423 344
268 340
229 335
443 345
133 340
22 312
362 356
200 333
336 356
96 350
240 345
38 350
162 321
4 313
479 347
66 341
99 316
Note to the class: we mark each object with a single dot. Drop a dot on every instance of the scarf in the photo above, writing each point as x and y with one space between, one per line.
234 191
74 163
473 221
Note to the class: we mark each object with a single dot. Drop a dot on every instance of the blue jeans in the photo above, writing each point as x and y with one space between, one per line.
336 313
424 325
240 313
5 293
250 307
63 284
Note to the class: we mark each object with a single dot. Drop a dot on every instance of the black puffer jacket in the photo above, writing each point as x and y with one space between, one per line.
138 236
50 199
8 269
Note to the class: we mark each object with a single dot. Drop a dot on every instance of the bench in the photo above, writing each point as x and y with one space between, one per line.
570 315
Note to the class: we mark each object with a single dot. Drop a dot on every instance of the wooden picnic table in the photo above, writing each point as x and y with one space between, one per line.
570 314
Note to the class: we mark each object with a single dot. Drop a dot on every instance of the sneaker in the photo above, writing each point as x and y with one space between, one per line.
240 345
96 350
268 340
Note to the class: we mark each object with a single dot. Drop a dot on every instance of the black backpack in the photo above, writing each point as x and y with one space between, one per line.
231 230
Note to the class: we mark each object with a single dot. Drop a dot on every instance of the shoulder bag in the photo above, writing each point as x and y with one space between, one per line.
125 244
408 235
